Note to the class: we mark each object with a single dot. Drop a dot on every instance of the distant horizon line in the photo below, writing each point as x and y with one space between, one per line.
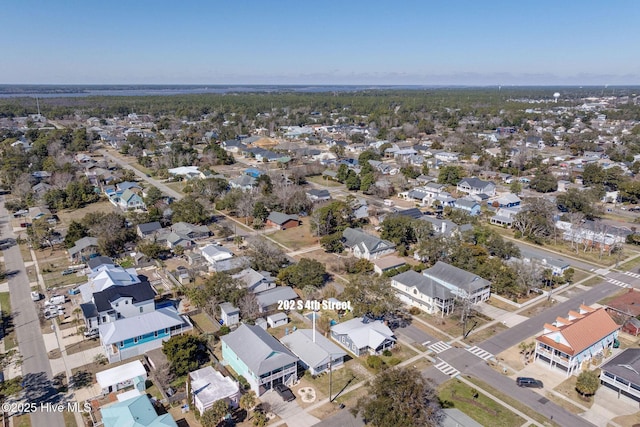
317 84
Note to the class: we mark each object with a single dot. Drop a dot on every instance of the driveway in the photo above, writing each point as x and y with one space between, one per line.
290 412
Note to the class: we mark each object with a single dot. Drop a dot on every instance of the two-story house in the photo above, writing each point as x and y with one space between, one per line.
419 291
260 358
255 281
569 343
461 283
365 245
476 186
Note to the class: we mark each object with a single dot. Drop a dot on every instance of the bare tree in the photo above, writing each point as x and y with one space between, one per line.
246 205
249 307
163 374
529 274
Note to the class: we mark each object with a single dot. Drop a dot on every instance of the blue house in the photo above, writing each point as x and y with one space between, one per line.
468 205
135 412
252 172
509 200
260 358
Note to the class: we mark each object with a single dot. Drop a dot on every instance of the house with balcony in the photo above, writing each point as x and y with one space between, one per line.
126 200
461 283
570 343
622 374
83 250
416 290
260 358
366 246
316 353
476 186
363 336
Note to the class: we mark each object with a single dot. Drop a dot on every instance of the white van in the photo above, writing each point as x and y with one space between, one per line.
388 202
57 299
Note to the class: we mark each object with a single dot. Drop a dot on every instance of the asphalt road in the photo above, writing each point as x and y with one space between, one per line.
530 251
36 370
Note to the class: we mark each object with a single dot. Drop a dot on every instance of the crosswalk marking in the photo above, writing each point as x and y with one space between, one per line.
636 275
482 354
617 282
447 369
439 347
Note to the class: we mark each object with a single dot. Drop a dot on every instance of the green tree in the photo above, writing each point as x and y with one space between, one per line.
248 401
213 415
342 173
151 249
593 174
587 383
450 175
185 353
371 296
307 272
189 210
260 211
425 169
153 195
399 397
332 217
353 181
410 172
515 187
366 181
575 200
544 182
398 229
332 243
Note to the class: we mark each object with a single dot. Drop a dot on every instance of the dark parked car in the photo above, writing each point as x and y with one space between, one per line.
529 382
285 392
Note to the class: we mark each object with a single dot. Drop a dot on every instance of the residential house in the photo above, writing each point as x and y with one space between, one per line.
446 156
594 234
269 300
148 229
468 205
38 212
208 386
444 227
277 319
233 146
316 353
387 263
363 336
366 246
83 249
625 310
214 253
243 182
186 172
105 275
423 292
507 200
318 195
255 281
260 358
462 283
191 231
571 343
125 199
505 216
622 374
135 412
476 186
413 213
282 221
132 374
229 314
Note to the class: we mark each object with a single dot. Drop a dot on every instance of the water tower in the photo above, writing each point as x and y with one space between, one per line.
556 96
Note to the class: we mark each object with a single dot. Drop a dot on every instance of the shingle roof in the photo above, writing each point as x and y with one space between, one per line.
475 183
258 349
274 295
312 353
149 227
280 218
425 285
625 365
364 333
460 278
355 236
138 292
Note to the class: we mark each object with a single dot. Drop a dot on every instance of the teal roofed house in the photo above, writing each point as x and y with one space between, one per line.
136 412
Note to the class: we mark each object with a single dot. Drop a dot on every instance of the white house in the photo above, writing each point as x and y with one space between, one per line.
316 353
209 386
419 291
366 246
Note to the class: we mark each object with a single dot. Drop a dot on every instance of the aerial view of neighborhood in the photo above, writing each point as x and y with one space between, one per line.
331 214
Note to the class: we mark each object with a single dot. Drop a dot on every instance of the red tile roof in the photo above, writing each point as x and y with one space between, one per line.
582 333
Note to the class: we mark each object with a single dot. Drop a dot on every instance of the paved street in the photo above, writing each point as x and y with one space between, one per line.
36 371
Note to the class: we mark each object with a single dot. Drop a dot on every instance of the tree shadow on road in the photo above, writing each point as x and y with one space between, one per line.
38 389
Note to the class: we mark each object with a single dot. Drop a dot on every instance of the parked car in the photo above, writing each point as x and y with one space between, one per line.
67 272
93 333
285 392
35 296
529 382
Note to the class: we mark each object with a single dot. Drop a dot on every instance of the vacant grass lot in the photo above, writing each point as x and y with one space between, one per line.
52 263
68 215
296 238
482 408
567 388
319 179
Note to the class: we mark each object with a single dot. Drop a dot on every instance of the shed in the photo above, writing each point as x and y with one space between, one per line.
277 319
229 314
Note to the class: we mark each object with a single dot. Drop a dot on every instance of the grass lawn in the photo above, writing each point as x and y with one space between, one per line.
339 379
296 238
476 337
83 345
203 321
567 388
501 304
177 186
52 263
536 308
513 402
483 409
25 252
630 265
319 179
451 325
593 281
593 257
10 339
68 215
24 421
69 418
579 275
606 300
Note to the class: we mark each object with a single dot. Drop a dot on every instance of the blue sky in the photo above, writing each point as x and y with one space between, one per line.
320 42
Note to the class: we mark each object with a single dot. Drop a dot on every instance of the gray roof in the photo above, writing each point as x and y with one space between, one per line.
83 243
229 308
89 310
95 262
457 277
425 285
466 203
274 295
363 333
149 227
319 193
280 218
312 353
145 323
625 365
355 236
258 349
476 183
